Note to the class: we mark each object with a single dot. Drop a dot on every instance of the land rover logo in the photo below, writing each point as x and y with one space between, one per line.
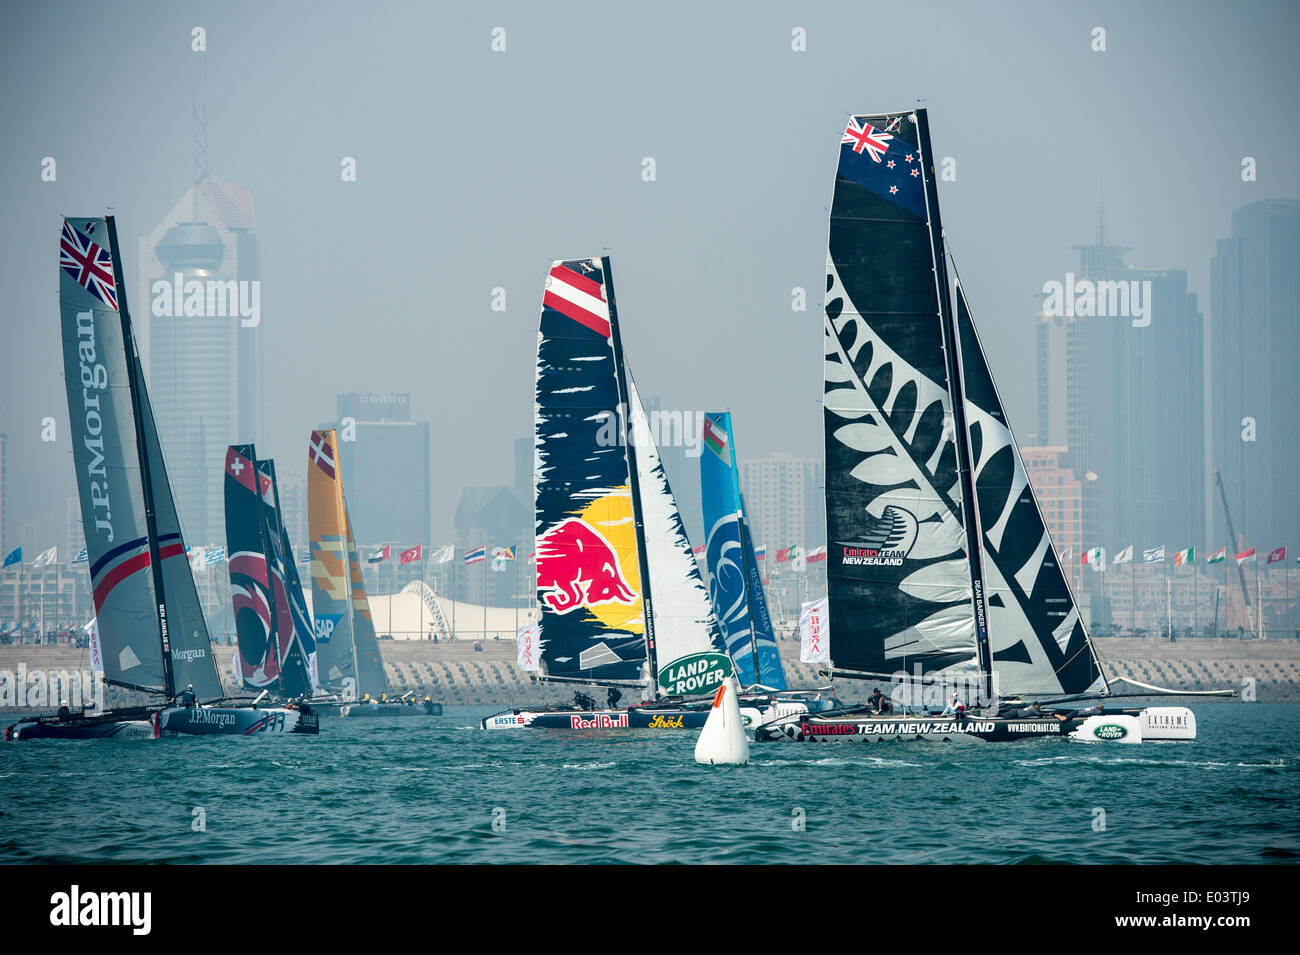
1110 731
695 673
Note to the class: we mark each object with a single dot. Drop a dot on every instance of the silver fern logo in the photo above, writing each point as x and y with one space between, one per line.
887 540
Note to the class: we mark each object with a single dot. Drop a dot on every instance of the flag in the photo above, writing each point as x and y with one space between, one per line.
15 556
477 555
817 554
89 263
195 556
1125 556
1154 554
444 555
783 555
304 557
760 552
814 647
1245 555
526 643
49 557
1094 557
81 557
379 556
715 439
1275 556
500 557
798 562
412 553
1067 555
214 556
96 656
1185 557
697 551
1218 556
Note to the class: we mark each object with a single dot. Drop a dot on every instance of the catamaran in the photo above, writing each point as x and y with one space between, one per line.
275 643
152 635
736 585
621 600
943 583
349 666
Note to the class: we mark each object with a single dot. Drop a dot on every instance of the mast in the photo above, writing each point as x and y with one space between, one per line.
956 392
268 553
634 482
346 541
137 411
1232 542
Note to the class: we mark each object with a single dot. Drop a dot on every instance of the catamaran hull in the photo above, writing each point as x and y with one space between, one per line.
107 729
584 720
234 721
391 709
879 729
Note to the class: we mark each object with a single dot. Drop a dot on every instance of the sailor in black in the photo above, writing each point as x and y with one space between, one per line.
187 697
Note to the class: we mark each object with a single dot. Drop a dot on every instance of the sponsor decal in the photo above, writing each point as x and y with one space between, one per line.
599 721
886 541
660 723
325 624
209 717
1052 727
578 567
94 382
189 656
901 728
1109 731
696 673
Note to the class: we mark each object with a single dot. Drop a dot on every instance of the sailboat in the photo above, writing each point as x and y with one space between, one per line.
621 600
736 585
942 579
153 637
349 665
269 624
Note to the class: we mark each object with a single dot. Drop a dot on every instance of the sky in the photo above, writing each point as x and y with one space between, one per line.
476 168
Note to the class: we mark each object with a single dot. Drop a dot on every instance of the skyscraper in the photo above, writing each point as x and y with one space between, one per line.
1254 381
784 500
386 470
201 332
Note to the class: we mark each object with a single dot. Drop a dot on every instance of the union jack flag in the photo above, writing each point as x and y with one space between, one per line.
88 263
864 136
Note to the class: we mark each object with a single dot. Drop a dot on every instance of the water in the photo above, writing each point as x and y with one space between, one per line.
427 790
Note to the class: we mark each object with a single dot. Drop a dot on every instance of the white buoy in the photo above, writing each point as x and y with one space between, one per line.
723 740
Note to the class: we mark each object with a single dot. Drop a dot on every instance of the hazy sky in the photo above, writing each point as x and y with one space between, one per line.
476 168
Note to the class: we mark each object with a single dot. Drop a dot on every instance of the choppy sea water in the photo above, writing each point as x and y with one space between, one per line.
430 790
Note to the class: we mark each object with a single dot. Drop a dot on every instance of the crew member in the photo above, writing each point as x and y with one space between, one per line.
613 697
188 697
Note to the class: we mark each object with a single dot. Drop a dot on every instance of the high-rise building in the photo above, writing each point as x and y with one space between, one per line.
1067 500
201 330
386 470
784 500
5 536
75 539
493 517
1254 385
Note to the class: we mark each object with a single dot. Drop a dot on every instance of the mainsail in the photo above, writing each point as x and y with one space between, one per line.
303 642
257 612
735 583
346 647
607 523
938 559
152 632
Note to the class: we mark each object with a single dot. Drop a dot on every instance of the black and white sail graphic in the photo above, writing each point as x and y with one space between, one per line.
1038 641
899 580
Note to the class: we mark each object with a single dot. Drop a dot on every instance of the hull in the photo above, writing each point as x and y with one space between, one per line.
606 719
234 721
390 709
879 729
82 729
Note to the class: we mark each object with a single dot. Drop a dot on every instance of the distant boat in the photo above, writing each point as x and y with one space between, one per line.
152 634
349 664
942 578
620 597
269 619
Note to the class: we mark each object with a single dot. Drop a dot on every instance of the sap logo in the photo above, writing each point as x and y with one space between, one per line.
75 908
325 628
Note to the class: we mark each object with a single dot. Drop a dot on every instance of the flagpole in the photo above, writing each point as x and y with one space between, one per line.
1259 597
1132 576
1169 603
485 563
453 591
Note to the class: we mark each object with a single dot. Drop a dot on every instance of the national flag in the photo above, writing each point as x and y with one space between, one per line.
1245 555
51 556
477 555
444 554
1067 555
798 562
1218 557
715 438
1183 557
81 557
89 263
379 556
1275 556
320 453
214 556
1154 554
15 556
817 554
865 136
1094 557
697 551
1125 556
882 161
578 297
500 557
412 554
783 555
760 552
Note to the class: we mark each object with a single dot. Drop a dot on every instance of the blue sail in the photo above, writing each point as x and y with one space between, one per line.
735 583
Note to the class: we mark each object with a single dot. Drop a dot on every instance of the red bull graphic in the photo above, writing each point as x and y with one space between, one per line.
578 567
599 721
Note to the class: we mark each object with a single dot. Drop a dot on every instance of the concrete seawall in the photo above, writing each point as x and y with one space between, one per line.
455 674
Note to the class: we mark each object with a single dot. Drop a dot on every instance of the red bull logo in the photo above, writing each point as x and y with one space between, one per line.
578 568
599 721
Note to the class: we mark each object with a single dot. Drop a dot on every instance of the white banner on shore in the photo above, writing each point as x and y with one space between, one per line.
814 647
527 640
96 657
